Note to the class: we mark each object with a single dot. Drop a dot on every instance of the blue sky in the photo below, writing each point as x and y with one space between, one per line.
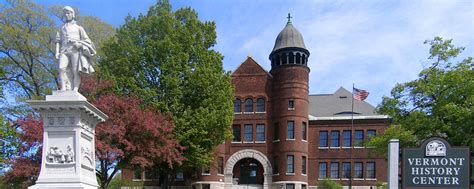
374 44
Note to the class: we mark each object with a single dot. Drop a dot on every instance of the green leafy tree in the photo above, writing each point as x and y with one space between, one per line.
8 142
439 103
166 58
379 144
28 68
26 48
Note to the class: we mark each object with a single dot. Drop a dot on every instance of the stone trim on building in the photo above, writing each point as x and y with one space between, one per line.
248 153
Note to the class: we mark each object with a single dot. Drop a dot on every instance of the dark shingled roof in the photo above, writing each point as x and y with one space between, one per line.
338 104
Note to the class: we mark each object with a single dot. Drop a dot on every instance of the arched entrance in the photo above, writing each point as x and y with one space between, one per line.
252 155
249 172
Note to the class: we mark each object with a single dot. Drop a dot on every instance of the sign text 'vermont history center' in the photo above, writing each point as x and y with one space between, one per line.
436 165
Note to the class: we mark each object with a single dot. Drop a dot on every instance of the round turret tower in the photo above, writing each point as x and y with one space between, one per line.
290 73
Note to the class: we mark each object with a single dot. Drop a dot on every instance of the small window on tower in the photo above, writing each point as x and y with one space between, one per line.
291 58
291 105
284 59
298 58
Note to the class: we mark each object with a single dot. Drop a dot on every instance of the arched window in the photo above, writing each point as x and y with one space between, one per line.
237 105
273 62
303 60
260 105
248 105
298 58
283 59
291 58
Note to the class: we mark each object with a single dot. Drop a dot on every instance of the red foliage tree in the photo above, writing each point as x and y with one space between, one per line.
132 136
25 166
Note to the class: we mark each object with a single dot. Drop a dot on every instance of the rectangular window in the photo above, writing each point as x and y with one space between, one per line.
137 174
346 138
290 162
151 174
370 169
334 170
206 171
260 132
304 131
323 167
248 133
359 137
303 165
291 104
236 133
358 170
323 139
291 130
220 165
275 165
206 186
346 170
303 186
276 131
179 176
371 133
335 139
290 186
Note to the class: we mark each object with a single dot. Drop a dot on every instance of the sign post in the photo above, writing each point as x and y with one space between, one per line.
393 153
436 165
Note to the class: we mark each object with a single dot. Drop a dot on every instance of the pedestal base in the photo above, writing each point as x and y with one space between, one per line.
62 186
68 159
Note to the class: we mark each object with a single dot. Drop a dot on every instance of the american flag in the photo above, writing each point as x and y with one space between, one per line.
360 94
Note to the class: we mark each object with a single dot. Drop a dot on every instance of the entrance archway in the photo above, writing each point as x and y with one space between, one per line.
253 154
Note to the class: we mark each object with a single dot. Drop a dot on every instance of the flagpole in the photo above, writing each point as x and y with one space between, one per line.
352 134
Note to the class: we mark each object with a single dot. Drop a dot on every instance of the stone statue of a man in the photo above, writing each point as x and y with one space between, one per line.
74 50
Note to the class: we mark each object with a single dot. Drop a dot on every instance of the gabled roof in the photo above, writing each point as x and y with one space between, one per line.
250 67
338 105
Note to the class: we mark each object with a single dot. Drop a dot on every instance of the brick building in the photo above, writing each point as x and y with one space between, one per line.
286 138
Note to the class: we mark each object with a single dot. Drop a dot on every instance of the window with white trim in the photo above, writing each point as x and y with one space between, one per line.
260 132
370 170
335 139
260 105
334 170
290 164
248 133
291 130
248 105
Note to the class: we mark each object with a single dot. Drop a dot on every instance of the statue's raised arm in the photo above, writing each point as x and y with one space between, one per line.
74 50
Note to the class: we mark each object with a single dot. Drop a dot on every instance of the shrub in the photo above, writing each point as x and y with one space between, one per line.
329 184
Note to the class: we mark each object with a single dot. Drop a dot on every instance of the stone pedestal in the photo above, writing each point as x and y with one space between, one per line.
68 159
